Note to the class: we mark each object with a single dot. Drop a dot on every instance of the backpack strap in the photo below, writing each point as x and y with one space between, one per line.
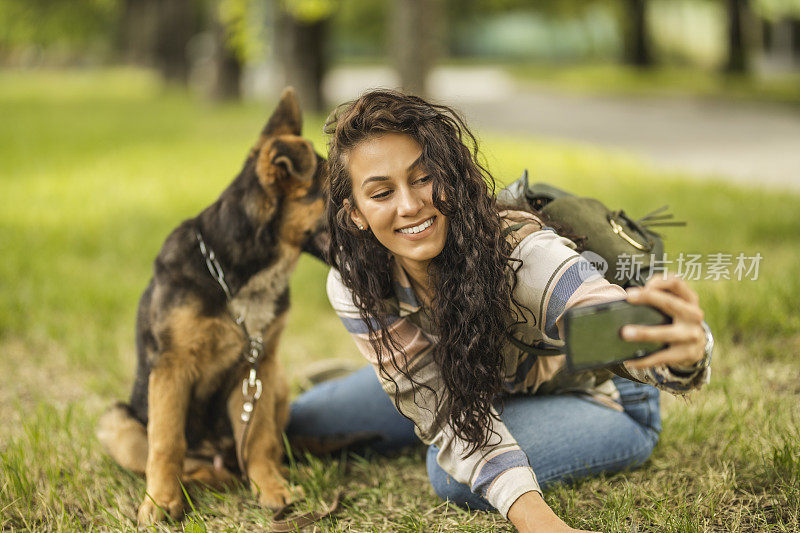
533 350
523 346
508 230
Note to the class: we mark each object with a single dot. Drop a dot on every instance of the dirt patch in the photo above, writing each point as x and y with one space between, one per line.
38 375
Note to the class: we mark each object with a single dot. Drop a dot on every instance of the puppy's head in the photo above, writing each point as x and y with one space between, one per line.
292 175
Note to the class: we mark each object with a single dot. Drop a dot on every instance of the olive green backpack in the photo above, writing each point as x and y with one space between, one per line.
612 235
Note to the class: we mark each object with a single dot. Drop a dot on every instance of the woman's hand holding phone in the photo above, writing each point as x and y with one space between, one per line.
685 335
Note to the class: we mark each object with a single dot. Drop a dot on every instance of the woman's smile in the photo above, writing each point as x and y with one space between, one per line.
419 231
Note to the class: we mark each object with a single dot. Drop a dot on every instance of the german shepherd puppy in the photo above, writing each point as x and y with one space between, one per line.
184 421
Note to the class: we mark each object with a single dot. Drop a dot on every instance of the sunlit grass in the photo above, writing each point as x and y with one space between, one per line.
97 167
611 78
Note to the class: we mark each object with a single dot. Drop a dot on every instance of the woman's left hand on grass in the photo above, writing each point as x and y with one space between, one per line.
685 336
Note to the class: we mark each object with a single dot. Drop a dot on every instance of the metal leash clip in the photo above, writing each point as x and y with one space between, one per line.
250 382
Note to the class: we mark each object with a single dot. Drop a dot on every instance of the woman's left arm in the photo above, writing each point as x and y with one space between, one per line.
555 278
688 348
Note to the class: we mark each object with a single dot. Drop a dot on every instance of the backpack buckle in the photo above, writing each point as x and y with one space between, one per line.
617 228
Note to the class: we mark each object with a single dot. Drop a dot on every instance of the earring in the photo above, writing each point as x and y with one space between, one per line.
360 227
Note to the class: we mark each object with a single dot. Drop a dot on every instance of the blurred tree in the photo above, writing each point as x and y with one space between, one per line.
780 30
360 28
136 31
31 29
229 36
176 23
300 35
739 31
240 31
796 40
636 35
157 33
415 26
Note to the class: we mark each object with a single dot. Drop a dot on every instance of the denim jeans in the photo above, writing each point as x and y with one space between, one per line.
565 437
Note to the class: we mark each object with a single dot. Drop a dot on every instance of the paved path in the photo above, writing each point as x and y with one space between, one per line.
743 142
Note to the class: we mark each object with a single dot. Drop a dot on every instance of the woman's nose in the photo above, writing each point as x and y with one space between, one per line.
410 202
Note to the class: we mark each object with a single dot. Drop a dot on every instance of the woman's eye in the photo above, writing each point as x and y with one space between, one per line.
424 179
380 195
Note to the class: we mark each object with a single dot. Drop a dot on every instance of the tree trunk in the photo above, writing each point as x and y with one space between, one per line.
766 35
796 40
226 83
738 44
637 36
301 48
137 31
415 26
175 27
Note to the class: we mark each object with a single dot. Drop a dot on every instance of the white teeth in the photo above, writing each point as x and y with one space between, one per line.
417 229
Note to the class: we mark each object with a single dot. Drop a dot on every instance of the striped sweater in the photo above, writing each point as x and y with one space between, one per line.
553 277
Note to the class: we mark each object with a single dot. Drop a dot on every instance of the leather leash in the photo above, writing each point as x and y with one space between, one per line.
282 525
252 353
251 391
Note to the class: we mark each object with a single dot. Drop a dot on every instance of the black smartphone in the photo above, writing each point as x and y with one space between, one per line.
593 334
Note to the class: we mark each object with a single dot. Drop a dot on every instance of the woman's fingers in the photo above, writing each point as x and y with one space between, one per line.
675 285
685 336
678 354
667 334
673 305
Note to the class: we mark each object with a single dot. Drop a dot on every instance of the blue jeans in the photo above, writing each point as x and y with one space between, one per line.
565 437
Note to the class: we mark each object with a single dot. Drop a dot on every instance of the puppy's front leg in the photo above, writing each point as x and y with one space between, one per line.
263 447
168 401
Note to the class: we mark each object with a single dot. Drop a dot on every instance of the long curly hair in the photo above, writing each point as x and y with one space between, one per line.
472 307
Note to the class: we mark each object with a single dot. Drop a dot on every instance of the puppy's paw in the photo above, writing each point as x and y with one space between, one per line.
213 475
296 493
277 496
151 512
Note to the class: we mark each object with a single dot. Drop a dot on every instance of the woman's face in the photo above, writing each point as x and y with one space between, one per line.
393 195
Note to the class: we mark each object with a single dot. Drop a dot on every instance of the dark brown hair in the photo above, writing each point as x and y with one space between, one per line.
472 304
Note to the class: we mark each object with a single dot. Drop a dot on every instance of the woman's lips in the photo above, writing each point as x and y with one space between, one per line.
422 234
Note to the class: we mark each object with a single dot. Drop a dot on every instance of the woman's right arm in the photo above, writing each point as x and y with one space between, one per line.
530 513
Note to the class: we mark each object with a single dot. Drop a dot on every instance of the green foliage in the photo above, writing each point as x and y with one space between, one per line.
310 10
243 22
777 9
456 8
360 27
47 23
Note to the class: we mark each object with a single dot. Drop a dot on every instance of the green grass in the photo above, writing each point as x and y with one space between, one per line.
97 167
659 81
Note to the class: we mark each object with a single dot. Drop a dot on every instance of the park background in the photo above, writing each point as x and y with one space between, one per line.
120 118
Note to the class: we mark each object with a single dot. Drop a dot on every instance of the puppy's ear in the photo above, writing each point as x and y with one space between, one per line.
285 120
281 159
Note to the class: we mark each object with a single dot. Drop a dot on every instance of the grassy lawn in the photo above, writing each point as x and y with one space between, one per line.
662 81
97 168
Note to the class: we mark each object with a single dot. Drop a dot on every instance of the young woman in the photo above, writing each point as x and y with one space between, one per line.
432 278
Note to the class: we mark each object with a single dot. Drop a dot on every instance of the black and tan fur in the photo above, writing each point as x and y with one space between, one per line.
187 392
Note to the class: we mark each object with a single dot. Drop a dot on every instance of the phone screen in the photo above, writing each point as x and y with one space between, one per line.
592 333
